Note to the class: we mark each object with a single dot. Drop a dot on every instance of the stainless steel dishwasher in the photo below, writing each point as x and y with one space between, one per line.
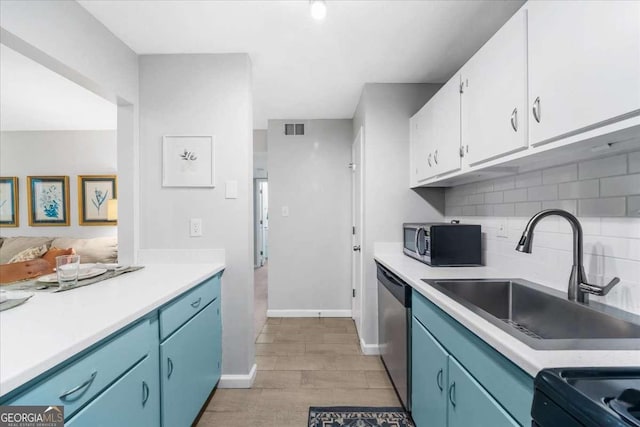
394 331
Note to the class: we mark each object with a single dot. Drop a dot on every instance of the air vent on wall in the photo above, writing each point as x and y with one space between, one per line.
294 129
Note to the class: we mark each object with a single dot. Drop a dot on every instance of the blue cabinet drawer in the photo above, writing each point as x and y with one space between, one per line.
78 383
506 382
178 312
133 400
190 367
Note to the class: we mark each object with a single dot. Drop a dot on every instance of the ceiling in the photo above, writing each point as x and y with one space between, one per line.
306 69
36 98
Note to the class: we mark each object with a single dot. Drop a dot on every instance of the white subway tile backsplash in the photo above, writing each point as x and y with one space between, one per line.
529 179
620 185
494 197
504 209
601 192
528 208
504 183
634 162
543 192
560 174
519 195
613 206
475 199
579 189
608 166
567 205
633 206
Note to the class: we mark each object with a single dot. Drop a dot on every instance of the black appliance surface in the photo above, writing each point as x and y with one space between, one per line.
589 397
443 244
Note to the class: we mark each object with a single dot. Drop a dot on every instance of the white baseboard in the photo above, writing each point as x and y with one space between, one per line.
308 313
369 349
238 381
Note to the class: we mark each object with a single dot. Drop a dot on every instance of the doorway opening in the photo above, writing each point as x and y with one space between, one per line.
261 256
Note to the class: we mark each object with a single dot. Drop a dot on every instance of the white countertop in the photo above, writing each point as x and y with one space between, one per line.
530 360
52 327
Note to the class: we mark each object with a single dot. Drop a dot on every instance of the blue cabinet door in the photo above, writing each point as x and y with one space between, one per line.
189 367
469 404
132 401
429 376
217 330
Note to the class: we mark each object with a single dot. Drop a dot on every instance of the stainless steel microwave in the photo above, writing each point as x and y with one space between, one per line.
443 244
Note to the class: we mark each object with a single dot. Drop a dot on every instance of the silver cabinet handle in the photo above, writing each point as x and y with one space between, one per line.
514 119
429 159
82 386
536 109
435 157
196 303
452 394
145 393
169 367
439 379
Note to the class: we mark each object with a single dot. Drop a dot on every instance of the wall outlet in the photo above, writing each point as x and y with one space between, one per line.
503 231
285 211
195 227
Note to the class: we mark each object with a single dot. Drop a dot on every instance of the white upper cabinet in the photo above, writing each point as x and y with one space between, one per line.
584 65
435 134
494 98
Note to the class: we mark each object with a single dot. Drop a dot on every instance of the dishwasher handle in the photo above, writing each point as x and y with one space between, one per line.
398 288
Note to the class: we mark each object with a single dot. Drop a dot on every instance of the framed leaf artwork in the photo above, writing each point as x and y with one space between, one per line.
9 216
188 161
94 193
48 199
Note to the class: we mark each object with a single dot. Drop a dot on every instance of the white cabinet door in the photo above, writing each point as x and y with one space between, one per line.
443 126
584 65
494 99
418 150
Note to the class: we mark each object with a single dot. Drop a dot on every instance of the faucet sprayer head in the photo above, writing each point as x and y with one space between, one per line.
525 242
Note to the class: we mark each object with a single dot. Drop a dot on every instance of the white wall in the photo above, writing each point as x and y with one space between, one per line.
309 250
384 111
71 153
203 95
64 37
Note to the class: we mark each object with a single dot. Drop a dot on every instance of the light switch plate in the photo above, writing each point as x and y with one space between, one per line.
231 190
285 211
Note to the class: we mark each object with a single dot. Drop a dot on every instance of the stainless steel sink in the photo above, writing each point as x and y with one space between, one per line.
542 318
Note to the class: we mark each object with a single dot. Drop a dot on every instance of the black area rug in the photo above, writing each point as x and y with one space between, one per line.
354 416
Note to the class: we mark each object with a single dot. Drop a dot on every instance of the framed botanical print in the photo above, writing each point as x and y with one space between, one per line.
188 161
48 200
94 193
9 202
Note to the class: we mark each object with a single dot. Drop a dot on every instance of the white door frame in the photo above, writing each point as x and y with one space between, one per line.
356 285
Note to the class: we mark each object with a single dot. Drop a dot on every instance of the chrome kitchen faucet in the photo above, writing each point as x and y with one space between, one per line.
579 288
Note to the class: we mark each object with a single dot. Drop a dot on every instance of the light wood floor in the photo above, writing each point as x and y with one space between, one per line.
301 363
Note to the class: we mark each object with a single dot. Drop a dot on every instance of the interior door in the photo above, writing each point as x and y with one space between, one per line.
264 221
584 65
356 238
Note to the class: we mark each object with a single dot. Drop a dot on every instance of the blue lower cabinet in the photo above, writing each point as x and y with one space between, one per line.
190 367
470 404
133 400
429 378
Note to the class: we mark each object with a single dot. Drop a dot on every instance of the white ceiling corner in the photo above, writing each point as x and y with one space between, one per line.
308 69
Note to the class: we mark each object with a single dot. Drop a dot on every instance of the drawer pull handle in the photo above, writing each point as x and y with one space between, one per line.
514 119
452 394
196 303
170 367
84 385
536 109
145 393
439 379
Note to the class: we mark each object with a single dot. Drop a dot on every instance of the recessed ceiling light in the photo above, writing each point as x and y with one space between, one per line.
318 9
